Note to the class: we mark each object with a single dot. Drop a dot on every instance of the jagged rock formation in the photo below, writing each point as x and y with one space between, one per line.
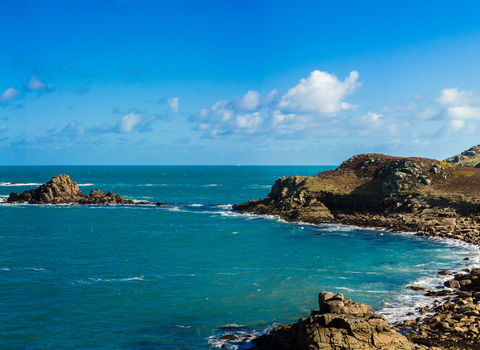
470 157
407 194
341 324
61 189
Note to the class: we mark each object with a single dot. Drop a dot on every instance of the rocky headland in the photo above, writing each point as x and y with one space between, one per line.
62 190
426 196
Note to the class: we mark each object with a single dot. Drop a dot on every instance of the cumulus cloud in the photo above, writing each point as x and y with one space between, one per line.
9 95
238 117
34 84
459 105
248 102
296 113
453 97
321 92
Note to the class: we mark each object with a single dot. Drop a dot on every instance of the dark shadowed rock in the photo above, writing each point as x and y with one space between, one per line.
416 288
14 197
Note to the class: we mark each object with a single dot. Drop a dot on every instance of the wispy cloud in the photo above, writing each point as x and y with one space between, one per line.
35 84
9 95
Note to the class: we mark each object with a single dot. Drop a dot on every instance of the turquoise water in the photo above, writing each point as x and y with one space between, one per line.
176 277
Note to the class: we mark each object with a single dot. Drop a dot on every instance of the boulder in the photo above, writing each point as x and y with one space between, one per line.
340 324
14 197
452 284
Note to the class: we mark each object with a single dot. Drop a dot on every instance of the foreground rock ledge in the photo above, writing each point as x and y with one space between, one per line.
62 190
341 324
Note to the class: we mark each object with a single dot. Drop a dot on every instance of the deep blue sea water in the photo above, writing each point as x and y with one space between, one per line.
177 277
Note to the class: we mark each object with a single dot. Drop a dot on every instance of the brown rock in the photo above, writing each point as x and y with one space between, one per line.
344 329
61 189
452 284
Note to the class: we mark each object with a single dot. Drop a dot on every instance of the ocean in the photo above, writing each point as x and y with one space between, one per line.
181 276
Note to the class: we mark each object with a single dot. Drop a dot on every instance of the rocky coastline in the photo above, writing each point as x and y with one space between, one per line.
426 196
62 190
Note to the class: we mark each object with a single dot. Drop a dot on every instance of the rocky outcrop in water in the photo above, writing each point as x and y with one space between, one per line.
62 190
341 324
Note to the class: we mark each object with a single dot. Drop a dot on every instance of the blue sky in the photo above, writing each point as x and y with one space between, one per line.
236 82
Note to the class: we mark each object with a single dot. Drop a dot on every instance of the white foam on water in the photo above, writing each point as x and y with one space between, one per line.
347 289
242 343
90 280
86 184
396 310
224 206
195 205
4 269
258 186
174 208
11 184
211 185
231 325
153 185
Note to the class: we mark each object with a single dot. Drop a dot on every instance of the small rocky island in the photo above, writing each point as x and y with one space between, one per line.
62 190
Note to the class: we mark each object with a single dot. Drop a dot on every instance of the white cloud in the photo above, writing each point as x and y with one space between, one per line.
453 97
248 102
35 84
241 116
452 127
173 103
459 105
128 123
462 112
3 129
9 95
321 92
428 113
298 111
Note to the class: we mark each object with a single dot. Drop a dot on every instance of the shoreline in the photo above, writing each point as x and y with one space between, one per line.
406 323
